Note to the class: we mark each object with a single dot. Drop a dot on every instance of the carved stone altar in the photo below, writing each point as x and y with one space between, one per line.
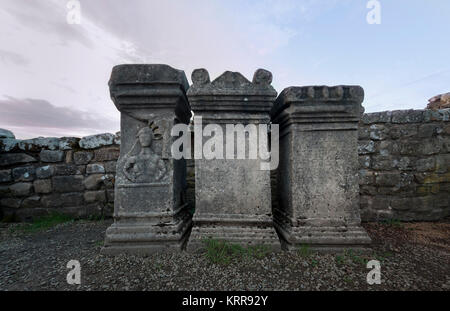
318 171
233 196
150 212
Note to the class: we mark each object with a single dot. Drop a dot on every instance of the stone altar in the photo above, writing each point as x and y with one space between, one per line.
233 196
318 171
150 211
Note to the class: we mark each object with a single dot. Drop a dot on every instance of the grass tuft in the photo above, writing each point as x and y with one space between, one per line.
222 252
44 223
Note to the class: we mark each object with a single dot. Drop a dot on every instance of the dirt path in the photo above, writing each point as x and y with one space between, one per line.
413 256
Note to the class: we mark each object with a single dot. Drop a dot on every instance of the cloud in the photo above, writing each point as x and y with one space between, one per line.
48 17
17 59
37 115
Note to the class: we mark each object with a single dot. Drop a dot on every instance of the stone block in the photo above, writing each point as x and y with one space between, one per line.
24 173
68 169
42 186
95 169
94 182
5 176
97 141
62 199
83 157
424 165
377 117
51 156
378 132
366 147
388 179
10 202
110 166
95 196
46 171
407 116
21 189
68 183
31 202
8 159
106 154
442 163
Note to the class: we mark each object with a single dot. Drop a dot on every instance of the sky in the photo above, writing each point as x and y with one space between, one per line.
54 75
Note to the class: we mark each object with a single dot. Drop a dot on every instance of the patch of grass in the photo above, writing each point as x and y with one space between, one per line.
96 217
304 250
99 243
392 223
340 259
314 262
355 258
383 256
44 223
222 252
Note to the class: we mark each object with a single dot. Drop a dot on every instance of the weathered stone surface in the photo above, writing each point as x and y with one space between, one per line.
318 171
95 196
407 116
95 169
21 189
42 186
378 132
6 134
74 199
36 144
110 166
93 182
107 154
5 176
24 173
15 158
45 171
31 202
441 101
9 144
83 157
233 197
51 156
377 117
149 208
10 202
366 147
68 169
68 183
96 141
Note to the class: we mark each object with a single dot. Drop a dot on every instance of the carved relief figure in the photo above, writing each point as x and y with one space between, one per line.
145 166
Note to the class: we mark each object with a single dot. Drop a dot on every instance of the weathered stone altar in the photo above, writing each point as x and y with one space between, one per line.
318 171
150 212
233 196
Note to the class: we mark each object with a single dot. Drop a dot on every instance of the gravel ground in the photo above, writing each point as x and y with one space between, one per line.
414 256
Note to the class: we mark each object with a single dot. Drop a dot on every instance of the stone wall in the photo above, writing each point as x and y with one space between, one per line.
69 175
404 160
405 165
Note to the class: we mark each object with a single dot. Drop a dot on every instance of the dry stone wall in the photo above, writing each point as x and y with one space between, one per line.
404 170
69 175
405 165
